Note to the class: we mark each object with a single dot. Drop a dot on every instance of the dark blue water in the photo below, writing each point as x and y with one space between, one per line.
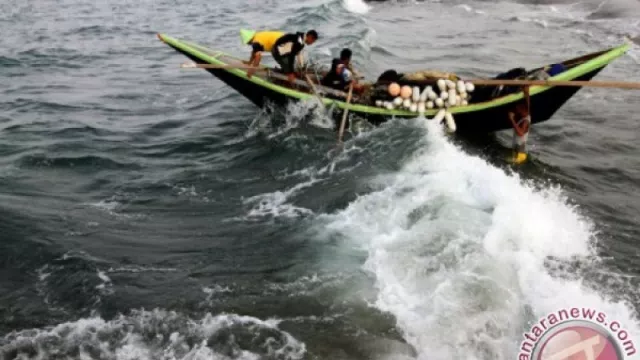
150 212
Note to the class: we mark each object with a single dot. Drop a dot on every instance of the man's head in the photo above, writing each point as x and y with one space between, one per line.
310 37
345 55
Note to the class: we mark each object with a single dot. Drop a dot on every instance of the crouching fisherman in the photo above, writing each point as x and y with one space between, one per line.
289 47
284 48
259 41
521 121
341 74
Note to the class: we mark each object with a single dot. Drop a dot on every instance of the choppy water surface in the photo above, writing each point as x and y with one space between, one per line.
150 212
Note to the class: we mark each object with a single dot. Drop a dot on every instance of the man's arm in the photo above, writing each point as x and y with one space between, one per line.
296 50
519 131
254 51
255 58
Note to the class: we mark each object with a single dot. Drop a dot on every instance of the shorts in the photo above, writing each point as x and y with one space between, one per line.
287 64
257 47
522 140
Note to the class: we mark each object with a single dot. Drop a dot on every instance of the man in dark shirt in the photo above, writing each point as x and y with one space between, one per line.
341 74
288 46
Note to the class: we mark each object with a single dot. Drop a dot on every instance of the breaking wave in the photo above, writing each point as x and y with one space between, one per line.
157 334
459 252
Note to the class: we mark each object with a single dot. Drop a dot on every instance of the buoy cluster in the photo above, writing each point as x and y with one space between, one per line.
446 94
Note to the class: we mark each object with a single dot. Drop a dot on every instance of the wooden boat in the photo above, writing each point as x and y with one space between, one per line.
482 116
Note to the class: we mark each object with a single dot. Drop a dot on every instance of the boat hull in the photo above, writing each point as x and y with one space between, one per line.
544 102
543 105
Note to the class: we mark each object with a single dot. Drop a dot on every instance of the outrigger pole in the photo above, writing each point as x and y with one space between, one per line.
574 83
520 131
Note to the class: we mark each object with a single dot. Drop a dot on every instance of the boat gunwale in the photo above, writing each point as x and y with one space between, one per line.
606 56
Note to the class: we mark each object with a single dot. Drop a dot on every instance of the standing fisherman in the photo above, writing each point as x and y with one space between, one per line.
521 128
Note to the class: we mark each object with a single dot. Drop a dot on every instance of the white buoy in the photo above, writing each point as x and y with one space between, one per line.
429 104
461 86
389 106
439 102
469 87
425 94
413 107
406 103
439 116
453 99
432 95
464 95
451 85
421 108
444 95
464 103
451 125
415 94
458 100
379 103
452 93
428 89
442 85
397 101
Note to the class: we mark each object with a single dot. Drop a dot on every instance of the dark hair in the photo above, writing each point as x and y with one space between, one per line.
313 34
345 54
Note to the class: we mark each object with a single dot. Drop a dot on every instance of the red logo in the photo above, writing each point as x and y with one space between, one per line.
577 340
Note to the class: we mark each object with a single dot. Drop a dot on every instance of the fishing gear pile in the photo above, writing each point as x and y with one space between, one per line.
447 94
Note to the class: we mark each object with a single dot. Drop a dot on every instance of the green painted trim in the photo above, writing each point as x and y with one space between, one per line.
201 52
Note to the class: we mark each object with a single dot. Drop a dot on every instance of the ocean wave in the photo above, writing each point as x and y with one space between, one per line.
356 6
22 105
101 162
615 9
462 290
157 334
93 30
58 57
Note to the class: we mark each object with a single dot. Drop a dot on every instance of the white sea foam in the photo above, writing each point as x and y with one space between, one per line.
157 335
306 112
276 203
356 6
458 248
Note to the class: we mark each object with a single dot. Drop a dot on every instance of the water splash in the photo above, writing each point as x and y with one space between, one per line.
458 250
157 334
356 6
